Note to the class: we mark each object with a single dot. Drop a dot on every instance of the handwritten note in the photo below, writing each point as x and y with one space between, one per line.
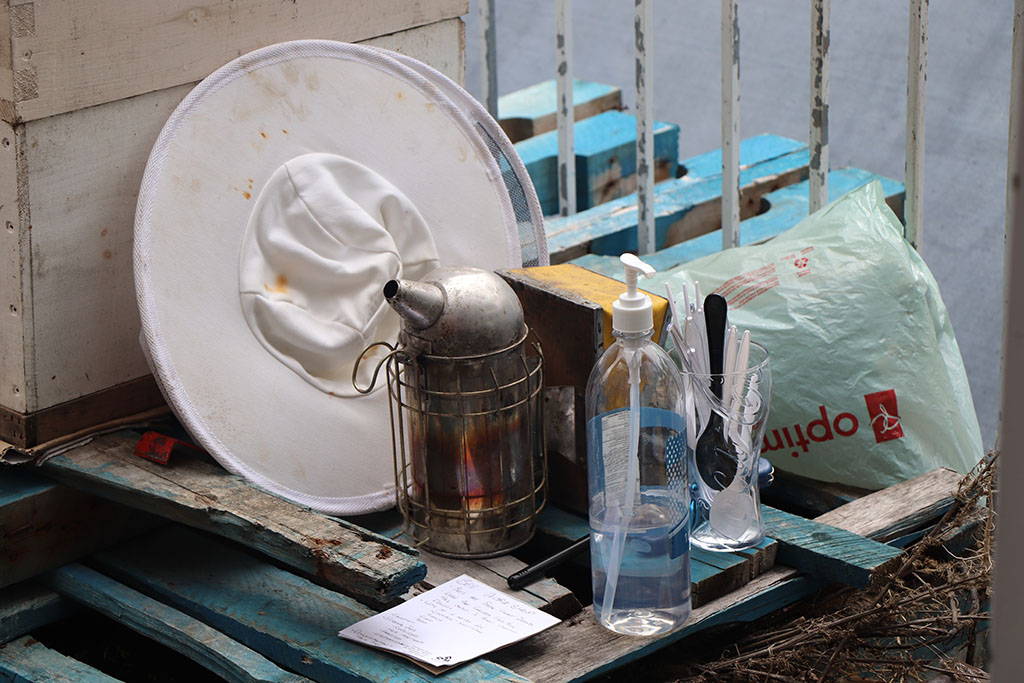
451 624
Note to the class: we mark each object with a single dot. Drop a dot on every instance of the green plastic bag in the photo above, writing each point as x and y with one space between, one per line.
869 387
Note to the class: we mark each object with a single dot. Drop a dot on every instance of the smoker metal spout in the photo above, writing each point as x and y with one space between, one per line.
420 304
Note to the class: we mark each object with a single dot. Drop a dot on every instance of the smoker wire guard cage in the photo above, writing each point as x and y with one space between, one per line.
486 530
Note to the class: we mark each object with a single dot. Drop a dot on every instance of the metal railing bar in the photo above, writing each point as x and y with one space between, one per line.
820 39
565 111
643 27
489 58
730 124
917 62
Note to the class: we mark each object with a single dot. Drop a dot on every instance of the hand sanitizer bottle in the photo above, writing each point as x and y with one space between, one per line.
638 487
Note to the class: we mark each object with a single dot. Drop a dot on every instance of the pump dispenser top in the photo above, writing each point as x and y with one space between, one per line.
633 312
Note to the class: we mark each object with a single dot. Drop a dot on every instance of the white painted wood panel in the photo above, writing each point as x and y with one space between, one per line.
6 74
12 312
71 54
442 45
83 171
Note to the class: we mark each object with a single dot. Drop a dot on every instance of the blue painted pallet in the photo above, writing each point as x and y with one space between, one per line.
44 525
754 150
194 491
545 594
27 606
26 660
789 206
204 645
605 149
684 207
289 620
531 111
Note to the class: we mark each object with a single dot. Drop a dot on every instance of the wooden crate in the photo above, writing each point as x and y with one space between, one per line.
85 87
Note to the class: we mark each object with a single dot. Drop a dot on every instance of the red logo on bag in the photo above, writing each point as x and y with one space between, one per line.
885 415
801 262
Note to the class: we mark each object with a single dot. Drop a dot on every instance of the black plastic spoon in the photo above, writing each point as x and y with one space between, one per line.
716 465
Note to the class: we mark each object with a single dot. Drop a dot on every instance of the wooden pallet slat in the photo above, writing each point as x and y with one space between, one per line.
904 507
531 111
199 493
683 208
605 159
44 525
753 150
27 606
789 205
829 553
546 594
288 619
26 660
192 638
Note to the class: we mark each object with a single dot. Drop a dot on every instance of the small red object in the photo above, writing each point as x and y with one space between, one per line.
158 447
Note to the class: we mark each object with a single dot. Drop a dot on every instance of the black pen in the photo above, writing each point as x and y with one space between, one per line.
528 575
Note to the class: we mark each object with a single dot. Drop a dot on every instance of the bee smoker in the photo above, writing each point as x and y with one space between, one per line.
466 415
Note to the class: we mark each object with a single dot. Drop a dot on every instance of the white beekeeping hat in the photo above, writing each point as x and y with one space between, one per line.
281 195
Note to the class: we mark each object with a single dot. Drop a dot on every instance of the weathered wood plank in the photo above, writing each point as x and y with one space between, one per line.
442 45
826 552
27 606
556 656
552 597
546 594
605 151
531 111
753 150
288 619
83 53
892 512
788 207
26 660
157 621
44 525
683 208
201 494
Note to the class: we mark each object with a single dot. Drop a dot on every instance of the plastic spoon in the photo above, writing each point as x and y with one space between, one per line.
732 509
713 455
728 368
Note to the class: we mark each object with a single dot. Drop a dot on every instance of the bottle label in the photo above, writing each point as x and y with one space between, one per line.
662 439
614 439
